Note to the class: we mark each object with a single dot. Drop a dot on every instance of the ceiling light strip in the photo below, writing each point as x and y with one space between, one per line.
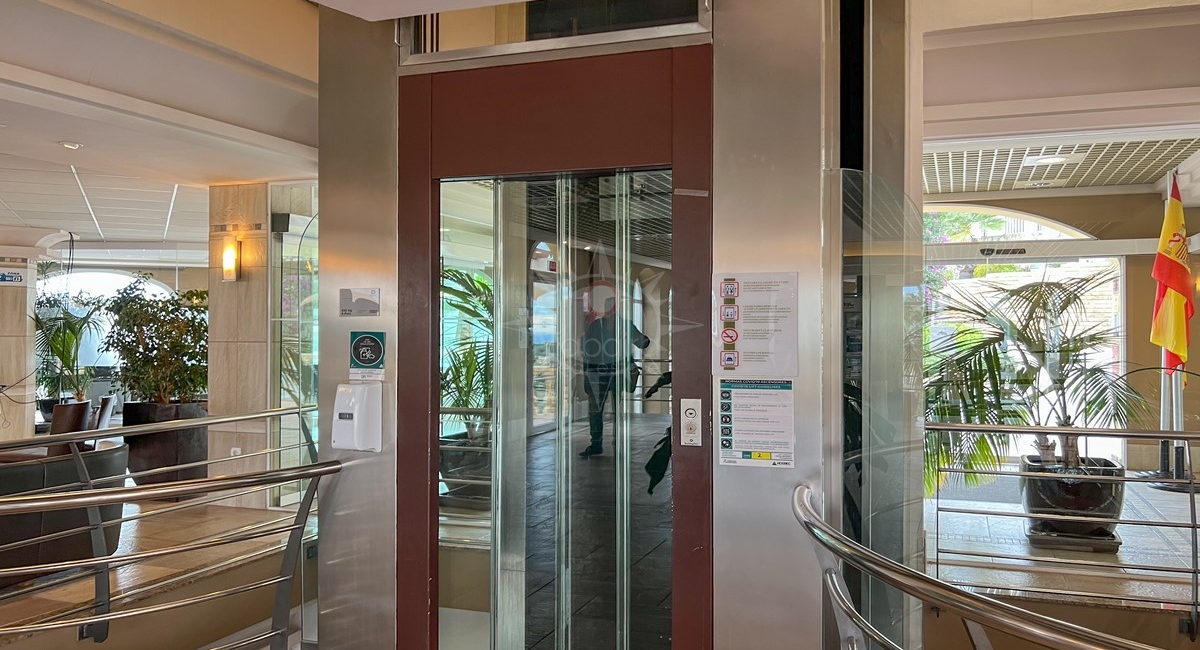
87 202
170 210
937 170
14 212
1008 168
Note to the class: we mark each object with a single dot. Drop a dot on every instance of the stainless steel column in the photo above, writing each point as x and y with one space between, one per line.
773 137
358 138
511 430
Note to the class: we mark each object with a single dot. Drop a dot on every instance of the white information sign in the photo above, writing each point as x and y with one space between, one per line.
755 422
14 277
756 324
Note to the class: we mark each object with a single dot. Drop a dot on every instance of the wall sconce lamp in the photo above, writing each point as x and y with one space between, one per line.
231 260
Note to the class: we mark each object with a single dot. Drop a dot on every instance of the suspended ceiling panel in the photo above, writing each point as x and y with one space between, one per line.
596 207
98 206
1097 164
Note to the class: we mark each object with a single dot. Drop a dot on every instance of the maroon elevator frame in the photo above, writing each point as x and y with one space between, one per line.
654 109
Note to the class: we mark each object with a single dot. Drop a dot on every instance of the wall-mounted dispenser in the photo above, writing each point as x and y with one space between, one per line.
358 416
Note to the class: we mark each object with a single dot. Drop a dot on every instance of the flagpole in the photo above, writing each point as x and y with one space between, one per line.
1182 471
1165 418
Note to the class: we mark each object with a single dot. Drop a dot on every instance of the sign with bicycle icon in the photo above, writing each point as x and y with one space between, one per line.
367 353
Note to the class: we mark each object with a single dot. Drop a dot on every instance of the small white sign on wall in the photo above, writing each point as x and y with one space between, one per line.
755 324
14 277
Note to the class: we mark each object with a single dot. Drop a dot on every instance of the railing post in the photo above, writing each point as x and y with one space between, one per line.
97 632
287 569
1195 613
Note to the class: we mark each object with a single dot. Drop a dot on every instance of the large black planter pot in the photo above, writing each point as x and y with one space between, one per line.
46 406
175 447
1074 495
473 465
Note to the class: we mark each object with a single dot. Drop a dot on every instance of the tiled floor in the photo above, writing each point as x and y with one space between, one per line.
154 575
1127 584
594 542
593 572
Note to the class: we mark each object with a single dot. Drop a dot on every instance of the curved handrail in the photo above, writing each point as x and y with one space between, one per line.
110 496
1139 434
833 583
143 429
1021 623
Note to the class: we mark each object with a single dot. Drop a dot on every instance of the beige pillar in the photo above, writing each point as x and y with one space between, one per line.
20 249
17 359
237 330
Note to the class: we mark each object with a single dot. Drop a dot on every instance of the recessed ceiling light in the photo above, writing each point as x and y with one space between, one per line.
1054 159
1039 184
71 145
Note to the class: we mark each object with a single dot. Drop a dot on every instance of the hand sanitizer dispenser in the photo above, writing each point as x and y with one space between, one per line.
358 416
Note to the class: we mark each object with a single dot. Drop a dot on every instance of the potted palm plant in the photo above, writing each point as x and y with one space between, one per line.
467 384
162 346
61 324
1030 355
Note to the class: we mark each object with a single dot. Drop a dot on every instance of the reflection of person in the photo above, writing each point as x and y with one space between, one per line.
601 363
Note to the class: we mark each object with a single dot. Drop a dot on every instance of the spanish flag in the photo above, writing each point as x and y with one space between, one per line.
1173 305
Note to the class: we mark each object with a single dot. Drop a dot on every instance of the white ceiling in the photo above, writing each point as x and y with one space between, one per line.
1093 164
161 114
97 206
1119 94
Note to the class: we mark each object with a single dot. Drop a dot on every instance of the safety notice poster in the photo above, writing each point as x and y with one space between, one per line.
756 326
756 422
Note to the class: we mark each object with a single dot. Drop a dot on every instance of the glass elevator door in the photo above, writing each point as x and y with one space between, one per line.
564 448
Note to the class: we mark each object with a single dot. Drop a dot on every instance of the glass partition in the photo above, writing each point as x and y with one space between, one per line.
882 389
1045 327
293 332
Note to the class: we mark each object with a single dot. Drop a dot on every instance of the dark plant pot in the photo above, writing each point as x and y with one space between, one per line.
46 406
175 447
1074 495
474 465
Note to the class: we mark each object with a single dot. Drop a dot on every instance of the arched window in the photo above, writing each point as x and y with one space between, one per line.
947 223
97 284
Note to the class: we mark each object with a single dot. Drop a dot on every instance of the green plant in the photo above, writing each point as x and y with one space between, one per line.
61 323
162 342
1023 356
466 377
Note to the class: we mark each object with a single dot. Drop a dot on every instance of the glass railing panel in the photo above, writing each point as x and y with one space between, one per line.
293 332
881 389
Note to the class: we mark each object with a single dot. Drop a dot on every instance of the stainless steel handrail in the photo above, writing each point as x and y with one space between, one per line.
833 583
460 410
150 609
143 429
190 503
138 556
110 496
95 498
1141 434
121 478
1021 623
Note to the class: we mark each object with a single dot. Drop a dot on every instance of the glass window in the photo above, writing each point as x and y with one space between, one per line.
544 19
953 224
97 284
